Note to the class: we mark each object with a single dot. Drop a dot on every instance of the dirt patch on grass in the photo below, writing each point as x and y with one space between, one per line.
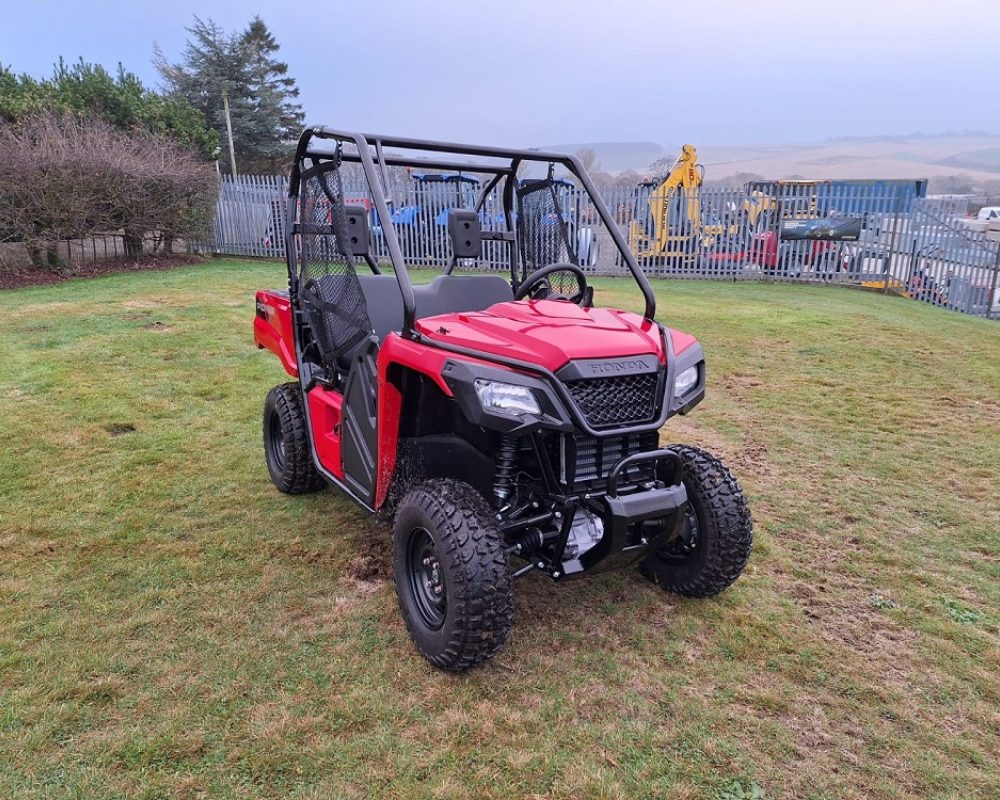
372 561
737 384
298 550
371 565
19 277
749 458
119 428
851 616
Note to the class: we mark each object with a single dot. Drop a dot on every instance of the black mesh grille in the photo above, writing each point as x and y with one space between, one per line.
620 400
594 457
331 293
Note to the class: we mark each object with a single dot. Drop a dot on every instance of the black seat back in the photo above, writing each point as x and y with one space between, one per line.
385 303
453 294
446 294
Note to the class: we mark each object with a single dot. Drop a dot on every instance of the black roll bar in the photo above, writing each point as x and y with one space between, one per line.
363 141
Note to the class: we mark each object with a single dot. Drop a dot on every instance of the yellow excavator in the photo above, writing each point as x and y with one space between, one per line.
676 211
675 228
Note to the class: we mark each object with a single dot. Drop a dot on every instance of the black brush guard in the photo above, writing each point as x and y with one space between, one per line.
636 522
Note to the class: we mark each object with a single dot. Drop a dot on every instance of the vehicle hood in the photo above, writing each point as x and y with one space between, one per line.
550 333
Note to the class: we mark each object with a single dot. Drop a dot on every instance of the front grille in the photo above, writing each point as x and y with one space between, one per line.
586 458
617 401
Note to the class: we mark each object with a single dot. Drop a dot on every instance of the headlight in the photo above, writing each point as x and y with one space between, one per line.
686 381
506 398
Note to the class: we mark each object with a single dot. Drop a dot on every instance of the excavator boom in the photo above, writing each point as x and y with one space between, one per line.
684 177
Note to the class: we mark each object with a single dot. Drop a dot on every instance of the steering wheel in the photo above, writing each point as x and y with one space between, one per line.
538 286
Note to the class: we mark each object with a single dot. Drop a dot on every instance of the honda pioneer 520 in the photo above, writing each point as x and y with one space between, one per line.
509 424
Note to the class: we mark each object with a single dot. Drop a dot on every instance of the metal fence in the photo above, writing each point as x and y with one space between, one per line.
97 248
914 246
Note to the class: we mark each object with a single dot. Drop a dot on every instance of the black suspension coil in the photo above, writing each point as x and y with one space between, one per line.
506 464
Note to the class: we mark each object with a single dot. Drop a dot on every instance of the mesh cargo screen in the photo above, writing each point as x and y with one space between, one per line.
544 232
330 291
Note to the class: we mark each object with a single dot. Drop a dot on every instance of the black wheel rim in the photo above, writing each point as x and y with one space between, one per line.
275 441
426 579
682 548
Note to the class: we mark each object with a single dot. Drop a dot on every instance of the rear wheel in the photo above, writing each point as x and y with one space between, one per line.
452 576
286 442
715 539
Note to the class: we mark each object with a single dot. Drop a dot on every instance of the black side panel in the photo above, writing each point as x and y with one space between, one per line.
360 444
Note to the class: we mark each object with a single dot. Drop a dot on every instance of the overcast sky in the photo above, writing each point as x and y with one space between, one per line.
531 72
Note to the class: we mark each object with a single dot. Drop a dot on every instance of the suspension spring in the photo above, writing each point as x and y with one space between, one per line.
506 465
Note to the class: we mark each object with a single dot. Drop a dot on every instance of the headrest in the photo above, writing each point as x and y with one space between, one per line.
465 233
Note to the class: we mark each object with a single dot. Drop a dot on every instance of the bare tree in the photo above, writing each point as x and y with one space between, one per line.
951 184
62 177
50 179
627 179
661 167
735 181
588 157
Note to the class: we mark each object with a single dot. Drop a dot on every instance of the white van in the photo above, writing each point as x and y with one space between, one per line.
986 215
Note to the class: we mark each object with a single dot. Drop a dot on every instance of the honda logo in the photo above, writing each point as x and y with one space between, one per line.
614 367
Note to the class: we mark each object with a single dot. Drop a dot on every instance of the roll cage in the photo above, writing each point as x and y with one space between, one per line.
370 152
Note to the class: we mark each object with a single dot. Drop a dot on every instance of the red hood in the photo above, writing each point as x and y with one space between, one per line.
549 333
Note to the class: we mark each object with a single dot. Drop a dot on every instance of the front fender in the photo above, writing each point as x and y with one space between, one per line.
408 354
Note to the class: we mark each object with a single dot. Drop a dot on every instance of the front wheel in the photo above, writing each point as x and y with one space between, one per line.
714 542
452 577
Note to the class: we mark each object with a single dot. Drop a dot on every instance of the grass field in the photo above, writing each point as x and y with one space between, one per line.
171 626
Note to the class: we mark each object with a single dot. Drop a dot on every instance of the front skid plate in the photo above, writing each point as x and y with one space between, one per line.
614 550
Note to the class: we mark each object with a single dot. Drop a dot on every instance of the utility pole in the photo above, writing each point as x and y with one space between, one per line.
229 130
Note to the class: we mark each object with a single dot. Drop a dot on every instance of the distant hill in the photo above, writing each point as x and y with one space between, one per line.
616 156
988 160
882 157
914 156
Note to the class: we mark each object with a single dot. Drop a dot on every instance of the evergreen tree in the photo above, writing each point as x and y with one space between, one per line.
89 90
266 120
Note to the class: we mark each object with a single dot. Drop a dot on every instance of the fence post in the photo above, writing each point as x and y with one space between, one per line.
914 257
993 284
893 240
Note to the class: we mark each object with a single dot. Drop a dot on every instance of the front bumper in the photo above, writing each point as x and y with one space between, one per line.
639 521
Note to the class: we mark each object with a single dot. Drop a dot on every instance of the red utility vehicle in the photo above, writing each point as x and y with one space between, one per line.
508 425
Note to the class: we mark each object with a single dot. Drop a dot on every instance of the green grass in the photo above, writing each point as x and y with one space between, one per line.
171 626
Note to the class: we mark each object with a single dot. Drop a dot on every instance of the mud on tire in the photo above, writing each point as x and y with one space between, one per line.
286 442
715 542
453 580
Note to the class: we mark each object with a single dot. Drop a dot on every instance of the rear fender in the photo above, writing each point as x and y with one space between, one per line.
272 328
